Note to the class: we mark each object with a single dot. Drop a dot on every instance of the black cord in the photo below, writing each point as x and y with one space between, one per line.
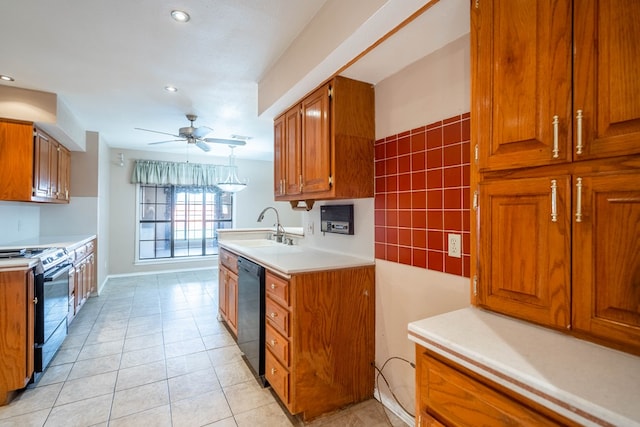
380 374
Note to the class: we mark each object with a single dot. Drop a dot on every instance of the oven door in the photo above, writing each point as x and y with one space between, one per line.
52 293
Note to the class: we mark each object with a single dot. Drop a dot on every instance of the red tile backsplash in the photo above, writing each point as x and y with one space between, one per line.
422 195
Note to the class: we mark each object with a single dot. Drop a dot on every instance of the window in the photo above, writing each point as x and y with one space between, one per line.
177 221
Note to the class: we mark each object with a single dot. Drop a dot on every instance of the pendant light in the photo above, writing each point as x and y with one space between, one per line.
232 183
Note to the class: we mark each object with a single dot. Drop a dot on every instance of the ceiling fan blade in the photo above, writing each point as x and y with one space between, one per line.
164 142
238 142
202 131
203 146
157 131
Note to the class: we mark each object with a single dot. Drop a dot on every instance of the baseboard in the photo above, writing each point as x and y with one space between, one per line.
389 402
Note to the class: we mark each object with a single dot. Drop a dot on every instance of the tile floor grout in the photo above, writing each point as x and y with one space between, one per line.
151 351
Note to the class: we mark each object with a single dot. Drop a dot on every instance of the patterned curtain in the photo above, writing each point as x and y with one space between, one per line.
172 173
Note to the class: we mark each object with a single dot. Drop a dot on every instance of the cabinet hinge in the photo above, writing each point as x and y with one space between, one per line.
475 285
477 4
330 180
475 200
475 153
35 132
330 92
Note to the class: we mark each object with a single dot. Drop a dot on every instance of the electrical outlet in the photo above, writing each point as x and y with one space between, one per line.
455 245
310 227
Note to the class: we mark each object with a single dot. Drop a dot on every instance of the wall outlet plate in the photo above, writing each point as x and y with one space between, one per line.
454 247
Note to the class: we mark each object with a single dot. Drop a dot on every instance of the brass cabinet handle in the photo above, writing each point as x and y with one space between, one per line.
579 118
273 371
554 205
273 286
579 200
273 315
555 123
273 342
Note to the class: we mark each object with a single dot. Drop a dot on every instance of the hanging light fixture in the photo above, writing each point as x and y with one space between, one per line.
232 183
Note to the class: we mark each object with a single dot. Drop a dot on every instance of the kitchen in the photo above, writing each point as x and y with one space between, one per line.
433 89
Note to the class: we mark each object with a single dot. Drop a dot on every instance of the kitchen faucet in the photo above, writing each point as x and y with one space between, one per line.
280 233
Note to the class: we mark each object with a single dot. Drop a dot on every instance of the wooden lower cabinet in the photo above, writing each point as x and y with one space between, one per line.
449 395
228 289
320 338
82 277
17 317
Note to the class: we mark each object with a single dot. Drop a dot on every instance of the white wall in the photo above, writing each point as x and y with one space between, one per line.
18 221
103 210
122 208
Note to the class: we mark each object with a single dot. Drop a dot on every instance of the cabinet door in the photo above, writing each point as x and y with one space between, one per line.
232 301
42 165
278 156
316 142
64 172
54 160
16 160
606 83
606 258
222 291
521 82
524 248
293 147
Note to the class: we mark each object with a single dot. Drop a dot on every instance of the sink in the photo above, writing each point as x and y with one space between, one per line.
257 243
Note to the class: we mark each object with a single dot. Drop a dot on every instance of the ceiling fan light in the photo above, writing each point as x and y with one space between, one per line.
180 16
232 184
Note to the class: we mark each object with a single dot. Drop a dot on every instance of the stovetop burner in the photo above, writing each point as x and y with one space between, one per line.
12 253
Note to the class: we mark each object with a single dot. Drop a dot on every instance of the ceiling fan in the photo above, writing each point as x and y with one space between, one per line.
195 136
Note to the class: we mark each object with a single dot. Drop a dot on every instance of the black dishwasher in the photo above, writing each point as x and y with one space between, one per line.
251 316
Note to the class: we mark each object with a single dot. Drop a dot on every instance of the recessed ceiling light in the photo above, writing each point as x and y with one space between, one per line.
170 88
7 78
180 15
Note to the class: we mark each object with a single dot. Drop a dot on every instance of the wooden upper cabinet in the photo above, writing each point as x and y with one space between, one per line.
606 258
44 148
525 228
606 84
521 55
324 144
64 173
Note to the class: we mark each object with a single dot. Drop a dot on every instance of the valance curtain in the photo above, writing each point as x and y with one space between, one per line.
173 173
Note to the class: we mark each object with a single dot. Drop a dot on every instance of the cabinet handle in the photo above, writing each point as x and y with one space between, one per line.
273 315
579 200
579 132
554 195
273 371
35 300
273 343
555 123
300 182
273 286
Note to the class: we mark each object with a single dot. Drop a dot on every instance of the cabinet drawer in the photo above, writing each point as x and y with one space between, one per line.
278 377
277 288
278 316
81 252
89 247
229 260
277 344
463 401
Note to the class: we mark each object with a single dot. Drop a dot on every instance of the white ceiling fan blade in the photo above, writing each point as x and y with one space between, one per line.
202 131
157 131
203 146
226 141
164 142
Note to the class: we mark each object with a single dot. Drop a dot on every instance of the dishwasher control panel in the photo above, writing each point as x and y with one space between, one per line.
336 219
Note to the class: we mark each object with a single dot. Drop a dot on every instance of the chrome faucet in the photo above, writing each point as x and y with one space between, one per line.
280 233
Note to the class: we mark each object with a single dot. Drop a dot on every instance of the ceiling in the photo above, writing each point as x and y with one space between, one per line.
109 62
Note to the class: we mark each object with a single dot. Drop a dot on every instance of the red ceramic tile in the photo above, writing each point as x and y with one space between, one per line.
452 134
418 161
379 201
418 180
466 266
391 218
452 177
404 144
418 130
380 168
451 119
466 243
453 221
434 125
391 184
380 152
466 152
392 236
381 185
379 141
419 199
453 265
419 238
380 235
391 166
466 130
404 237
380 218
418 141
452 198
434 138
404 255
404 200
466 175
391 148
435 260
404 164
452 155
404 218
466 198
381 252
434 199
403 134
466 220
434 158
434 179
435 240
465 115
419 258
392 201
435 219
419 219
404 182
392 253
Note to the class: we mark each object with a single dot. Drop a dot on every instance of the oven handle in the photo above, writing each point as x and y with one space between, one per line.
58 273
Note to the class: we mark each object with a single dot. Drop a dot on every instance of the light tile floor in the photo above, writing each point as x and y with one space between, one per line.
149 351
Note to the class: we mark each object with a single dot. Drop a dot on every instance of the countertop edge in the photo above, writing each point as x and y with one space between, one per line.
566 404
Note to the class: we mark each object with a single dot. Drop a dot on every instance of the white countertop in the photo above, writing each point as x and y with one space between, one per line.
585 382
40 242
292 259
